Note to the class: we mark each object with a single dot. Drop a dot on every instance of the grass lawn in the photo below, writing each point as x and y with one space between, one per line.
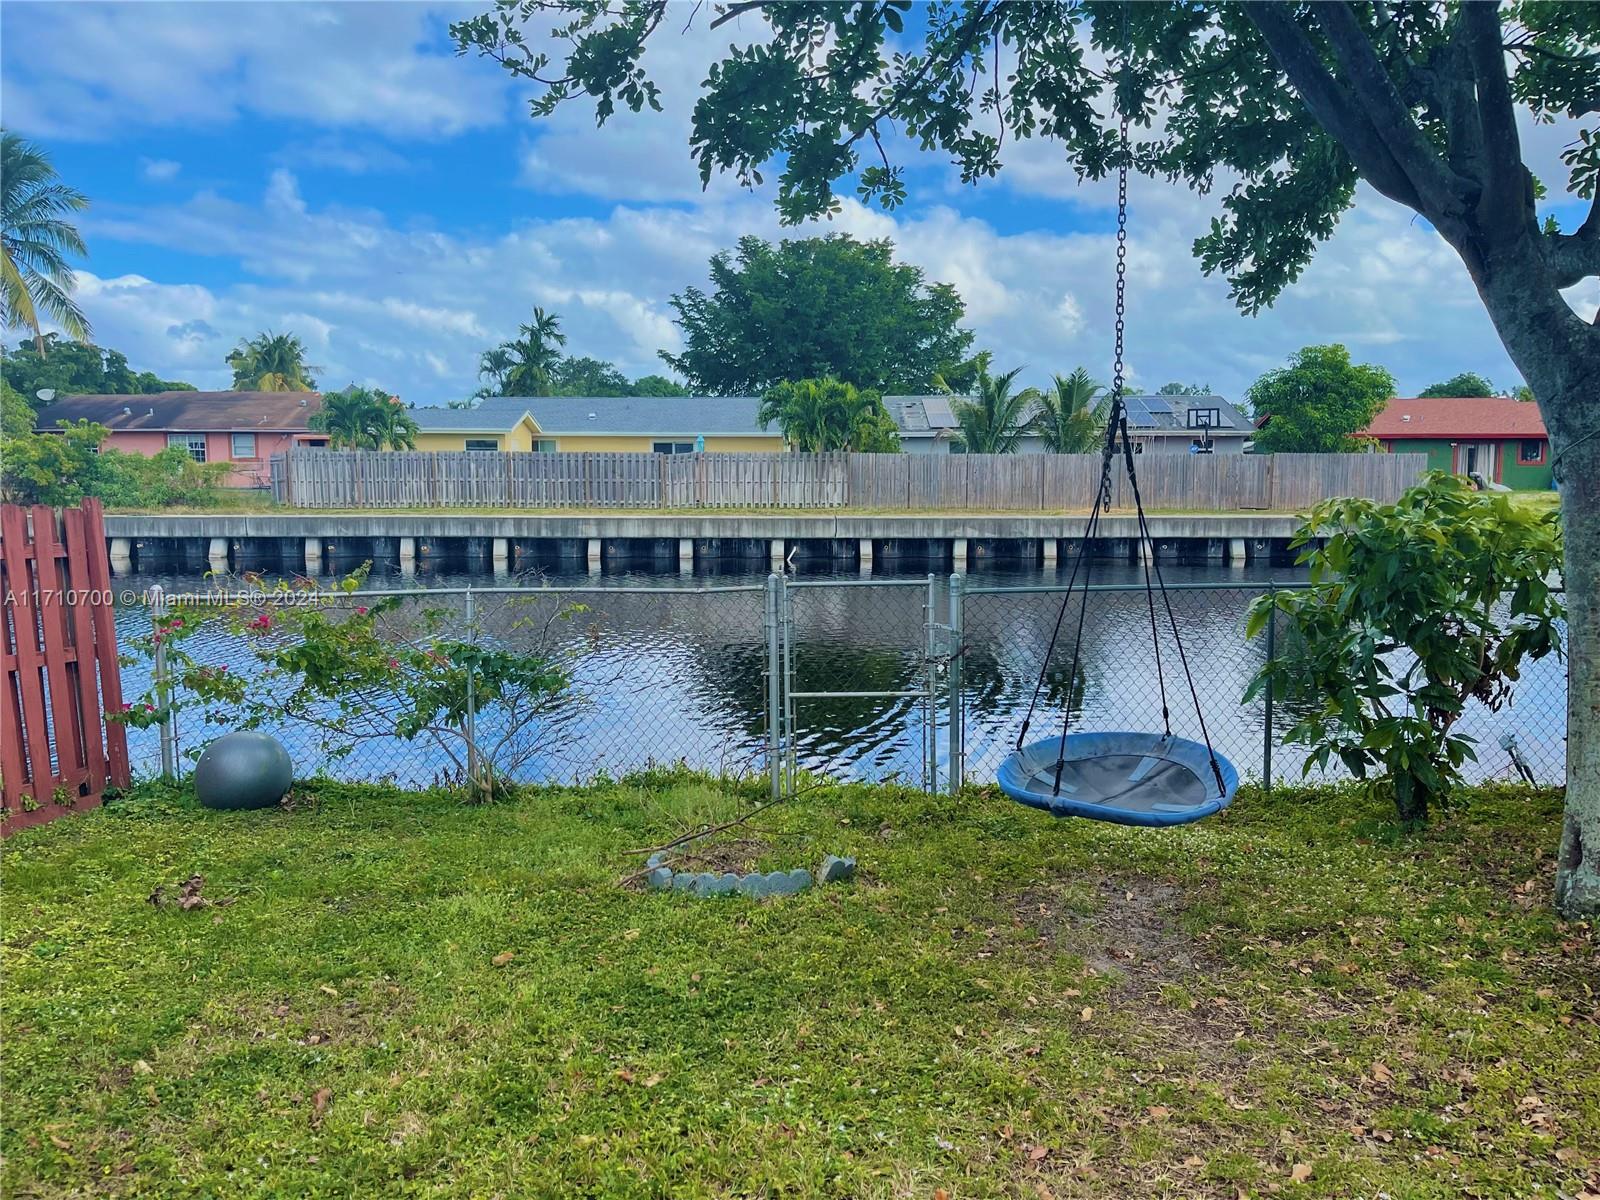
392 994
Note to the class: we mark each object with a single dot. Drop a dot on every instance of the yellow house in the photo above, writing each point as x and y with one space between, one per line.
499 423
646 424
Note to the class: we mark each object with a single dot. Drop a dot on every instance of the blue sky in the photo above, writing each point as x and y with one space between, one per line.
335 170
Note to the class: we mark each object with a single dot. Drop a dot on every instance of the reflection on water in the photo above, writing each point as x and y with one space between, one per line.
661 677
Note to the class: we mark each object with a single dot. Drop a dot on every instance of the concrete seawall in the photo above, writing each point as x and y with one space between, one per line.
503 541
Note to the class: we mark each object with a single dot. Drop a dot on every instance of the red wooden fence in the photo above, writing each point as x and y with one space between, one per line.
58 664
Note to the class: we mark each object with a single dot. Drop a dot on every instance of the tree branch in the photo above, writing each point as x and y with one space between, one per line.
1573 257
1329 104
1441 191
1505 201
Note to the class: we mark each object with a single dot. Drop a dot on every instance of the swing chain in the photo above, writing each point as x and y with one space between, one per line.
1117 420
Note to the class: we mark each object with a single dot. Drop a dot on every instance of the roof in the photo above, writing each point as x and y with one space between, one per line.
1168 416
185 411
1459 417
1150 416
921 416
497 414
667 415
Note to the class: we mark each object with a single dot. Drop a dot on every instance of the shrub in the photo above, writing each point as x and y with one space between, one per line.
1414 609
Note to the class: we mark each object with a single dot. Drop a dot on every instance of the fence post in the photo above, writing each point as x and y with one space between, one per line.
1266 734
470 726
958 747
774 701
163 686
930 740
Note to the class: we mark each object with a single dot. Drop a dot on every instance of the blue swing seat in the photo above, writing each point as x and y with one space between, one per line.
1147 779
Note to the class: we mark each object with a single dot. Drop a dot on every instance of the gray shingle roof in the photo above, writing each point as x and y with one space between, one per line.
494 415
665 416
678 416
194 412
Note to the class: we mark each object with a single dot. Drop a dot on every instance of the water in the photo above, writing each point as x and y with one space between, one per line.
661 675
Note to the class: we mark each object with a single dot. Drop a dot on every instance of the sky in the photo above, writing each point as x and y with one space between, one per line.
336 171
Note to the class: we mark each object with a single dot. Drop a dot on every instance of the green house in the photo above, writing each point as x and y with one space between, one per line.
1492 439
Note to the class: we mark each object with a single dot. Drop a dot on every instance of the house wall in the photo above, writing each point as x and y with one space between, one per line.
519 437
1443 456
246 473
1524 478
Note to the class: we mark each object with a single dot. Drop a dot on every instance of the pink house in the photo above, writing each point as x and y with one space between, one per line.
242 428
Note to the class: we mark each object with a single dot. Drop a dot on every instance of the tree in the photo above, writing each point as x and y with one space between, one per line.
79 368
572 376
1468 383
1318 403
16 415
1402 626
1185 389
814 308
534 355
995 419
35 240
271 362
827 414
494 367
1068 420
658 385
1293 103
365 419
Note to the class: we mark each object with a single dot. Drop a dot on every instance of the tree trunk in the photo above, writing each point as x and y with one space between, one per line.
1559 355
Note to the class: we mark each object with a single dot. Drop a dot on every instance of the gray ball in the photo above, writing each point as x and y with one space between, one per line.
243 770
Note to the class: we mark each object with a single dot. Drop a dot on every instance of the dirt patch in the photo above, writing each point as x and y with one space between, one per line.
1132 929
740 855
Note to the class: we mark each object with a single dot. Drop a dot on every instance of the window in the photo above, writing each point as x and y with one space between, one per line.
672 448
1205 418
545 445
483 443
244 445
1530 452
194 443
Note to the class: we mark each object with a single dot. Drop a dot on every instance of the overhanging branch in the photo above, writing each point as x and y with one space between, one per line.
1443 194
1505 199
1329 104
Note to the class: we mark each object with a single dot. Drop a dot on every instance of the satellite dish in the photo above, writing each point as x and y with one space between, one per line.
46 394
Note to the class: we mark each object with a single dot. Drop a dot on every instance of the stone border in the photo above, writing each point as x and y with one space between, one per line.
756 885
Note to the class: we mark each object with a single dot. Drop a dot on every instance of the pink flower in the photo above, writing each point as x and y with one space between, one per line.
177 622
394 663
264 621
149 707
361 611
126 707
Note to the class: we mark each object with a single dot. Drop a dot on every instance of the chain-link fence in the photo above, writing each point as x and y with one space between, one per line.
853 679
1005 633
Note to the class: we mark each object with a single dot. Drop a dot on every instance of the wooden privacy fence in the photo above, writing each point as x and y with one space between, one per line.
368 479
58 665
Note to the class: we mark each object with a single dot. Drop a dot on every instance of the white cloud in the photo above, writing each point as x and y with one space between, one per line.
94 70
411 309
159 170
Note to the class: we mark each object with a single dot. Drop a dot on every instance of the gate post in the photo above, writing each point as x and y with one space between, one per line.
774 710
958 749
1266 724
163 686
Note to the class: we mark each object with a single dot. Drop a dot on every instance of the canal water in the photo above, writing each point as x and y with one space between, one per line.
669 668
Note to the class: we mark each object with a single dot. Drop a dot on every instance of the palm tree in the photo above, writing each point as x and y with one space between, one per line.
994 421
271 362
35 240
494 366
365 419
393 427
1069 421
827 414
535 354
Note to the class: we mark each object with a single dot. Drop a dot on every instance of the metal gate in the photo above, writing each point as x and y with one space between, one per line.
874 617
